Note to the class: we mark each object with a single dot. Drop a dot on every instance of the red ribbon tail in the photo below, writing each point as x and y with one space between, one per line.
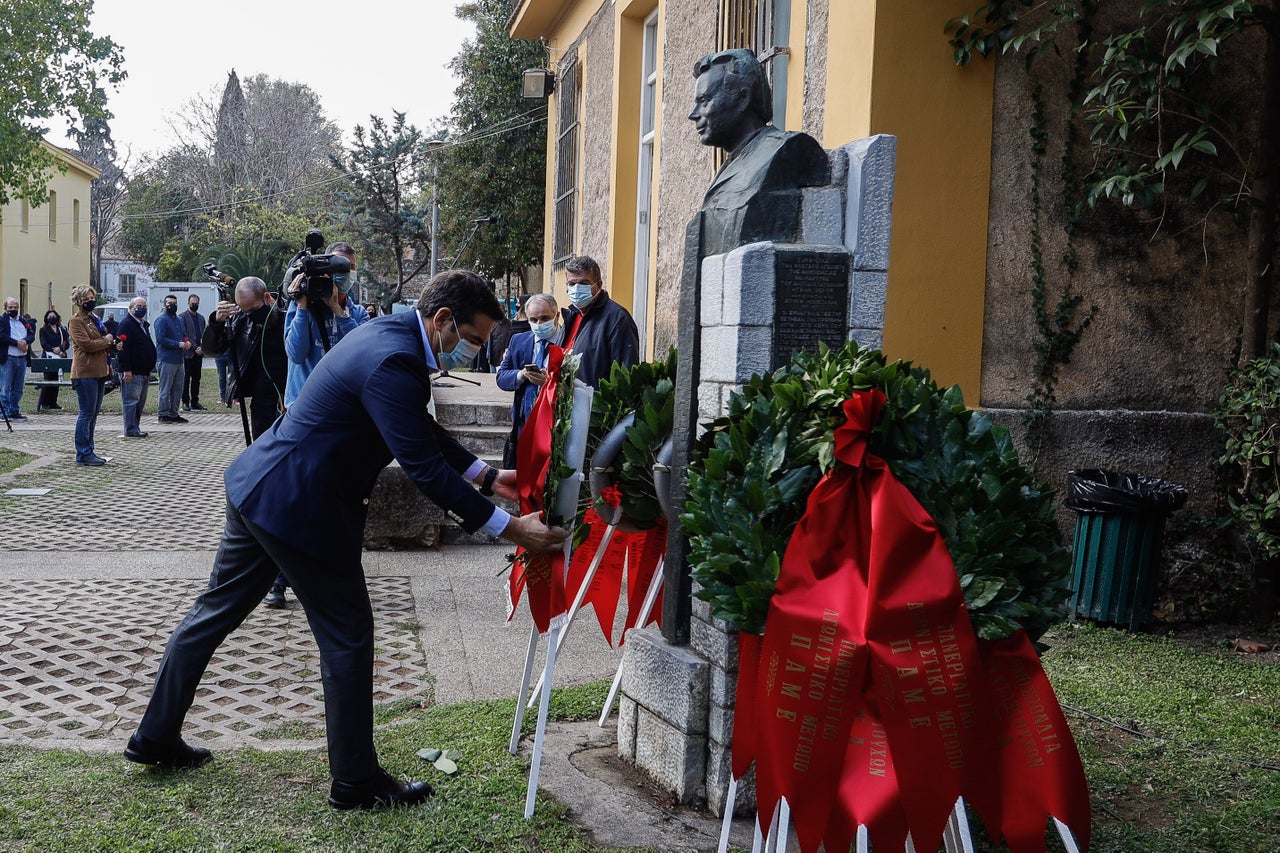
1040 766
743 746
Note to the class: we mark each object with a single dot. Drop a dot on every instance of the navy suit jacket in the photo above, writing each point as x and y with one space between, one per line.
307 480
519 353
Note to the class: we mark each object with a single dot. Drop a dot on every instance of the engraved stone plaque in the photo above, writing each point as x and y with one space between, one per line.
811 301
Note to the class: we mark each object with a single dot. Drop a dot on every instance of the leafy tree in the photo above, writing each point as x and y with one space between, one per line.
495 165
52 65
1158 124
266 141
385 202
157 208
95 146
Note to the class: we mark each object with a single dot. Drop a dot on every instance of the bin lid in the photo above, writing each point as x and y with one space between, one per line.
1096 490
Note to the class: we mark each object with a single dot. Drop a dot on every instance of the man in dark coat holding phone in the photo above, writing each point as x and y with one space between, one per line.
297 499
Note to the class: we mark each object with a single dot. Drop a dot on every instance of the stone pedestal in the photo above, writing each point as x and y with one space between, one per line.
757 303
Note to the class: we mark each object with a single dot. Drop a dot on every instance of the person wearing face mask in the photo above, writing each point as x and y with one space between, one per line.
54 343
303 341
298 498
136 357
193 324
251 331
172 344
523 368
15 347
605 332
89 369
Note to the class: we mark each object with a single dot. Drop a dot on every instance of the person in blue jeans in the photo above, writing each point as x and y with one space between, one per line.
90 343
15 347
172 344
136 358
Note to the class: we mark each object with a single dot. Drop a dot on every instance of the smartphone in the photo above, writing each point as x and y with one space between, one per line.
533 368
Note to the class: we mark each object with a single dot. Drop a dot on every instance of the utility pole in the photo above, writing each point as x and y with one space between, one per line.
433 146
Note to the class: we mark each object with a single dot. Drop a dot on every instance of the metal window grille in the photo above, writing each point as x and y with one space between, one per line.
764 28
568 118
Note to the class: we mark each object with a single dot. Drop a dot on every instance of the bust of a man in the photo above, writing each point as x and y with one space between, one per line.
755 195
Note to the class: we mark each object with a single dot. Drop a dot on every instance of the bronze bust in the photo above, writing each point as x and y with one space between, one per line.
755 195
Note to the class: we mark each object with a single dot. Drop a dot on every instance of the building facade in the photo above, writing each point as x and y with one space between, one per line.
44 250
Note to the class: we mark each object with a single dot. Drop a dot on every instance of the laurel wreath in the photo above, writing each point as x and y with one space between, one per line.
752 472
649 390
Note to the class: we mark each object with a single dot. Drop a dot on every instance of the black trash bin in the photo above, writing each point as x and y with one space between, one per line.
1115 556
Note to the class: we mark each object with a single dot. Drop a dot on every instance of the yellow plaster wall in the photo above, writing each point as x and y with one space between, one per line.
32 255
890 70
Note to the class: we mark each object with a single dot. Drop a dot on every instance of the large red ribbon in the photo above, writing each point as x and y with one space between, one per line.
869 704
640 551
1040 767
605 587
541 574
644 552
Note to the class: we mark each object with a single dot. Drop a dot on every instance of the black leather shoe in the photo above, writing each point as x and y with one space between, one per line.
275 598
381 792
143 751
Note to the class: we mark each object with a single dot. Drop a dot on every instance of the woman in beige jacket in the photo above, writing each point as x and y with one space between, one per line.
89 371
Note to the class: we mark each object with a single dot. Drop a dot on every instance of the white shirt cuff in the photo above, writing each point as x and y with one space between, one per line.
497 522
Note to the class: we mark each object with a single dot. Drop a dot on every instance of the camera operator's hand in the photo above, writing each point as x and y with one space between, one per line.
531 534
226 310
295 292
334 301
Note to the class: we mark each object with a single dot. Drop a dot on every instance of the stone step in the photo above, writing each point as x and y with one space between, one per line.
482 440
466 412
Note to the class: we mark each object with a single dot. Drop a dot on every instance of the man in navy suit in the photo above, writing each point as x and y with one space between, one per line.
297 499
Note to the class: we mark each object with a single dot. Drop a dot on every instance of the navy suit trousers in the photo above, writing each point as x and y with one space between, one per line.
336 601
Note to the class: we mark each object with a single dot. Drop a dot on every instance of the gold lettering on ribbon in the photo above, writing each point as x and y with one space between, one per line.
804 744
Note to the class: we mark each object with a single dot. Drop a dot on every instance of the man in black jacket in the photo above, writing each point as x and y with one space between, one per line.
193 359
606 332
251 330
136 358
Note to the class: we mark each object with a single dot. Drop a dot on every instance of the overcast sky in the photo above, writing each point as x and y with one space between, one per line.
361 58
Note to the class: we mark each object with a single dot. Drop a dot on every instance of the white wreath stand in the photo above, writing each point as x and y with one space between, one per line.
956 837
566 507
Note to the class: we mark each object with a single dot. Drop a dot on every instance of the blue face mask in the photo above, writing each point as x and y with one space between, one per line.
140 312
580 295
344 281
461 356
544 331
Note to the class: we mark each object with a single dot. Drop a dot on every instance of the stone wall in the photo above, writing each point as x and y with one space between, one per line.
685 164
1168 286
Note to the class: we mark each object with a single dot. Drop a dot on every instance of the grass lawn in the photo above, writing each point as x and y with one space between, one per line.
1204 774
10 459
111 403
275 801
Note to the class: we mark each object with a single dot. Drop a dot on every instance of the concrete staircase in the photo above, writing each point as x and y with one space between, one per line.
400 516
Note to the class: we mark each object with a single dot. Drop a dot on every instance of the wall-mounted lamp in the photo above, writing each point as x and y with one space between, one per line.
537 83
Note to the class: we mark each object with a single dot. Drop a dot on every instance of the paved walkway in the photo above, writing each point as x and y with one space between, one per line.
98 564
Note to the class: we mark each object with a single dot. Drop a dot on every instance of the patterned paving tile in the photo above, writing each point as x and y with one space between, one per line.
79 662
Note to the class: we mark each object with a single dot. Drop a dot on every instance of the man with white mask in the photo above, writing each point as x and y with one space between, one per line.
606 333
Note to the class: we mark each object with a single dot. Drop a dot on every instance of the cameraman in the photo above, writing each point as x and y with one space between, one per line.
303 341
251 330
298 499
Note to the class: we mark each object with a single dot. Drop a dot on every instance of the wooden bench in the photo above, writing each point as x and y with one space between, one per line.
41 366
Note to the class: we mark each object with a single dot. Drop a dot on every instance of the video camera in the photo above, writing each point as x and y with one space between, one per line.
319 270
226 284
